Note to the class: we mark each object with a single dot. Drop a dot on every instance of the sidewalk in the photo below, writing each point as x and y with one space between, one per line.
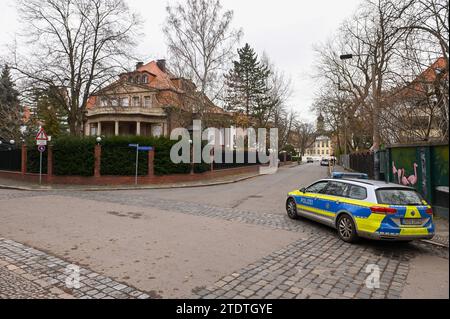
28 273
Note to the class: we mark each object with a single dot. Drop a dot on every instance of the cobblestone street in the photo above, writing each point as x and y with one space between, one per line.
27 273
293 259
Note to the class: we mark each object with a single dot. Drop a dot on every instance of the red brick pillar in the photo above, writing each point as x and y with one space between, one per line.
151 163
98 160
50 163
24 159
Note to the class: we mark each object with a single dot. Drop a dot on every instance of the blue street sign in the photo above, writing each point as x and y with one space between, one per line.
141 148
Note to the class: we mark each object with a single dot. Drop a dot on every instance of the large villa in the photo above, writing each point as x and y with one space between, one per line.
148 101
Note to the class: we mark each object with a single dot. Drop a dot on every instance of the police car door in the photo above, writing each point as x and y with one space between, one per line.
331 200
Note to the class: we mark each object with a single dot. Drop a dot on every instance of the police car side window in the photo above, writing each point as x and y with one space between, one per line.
317 187
336 189
357 192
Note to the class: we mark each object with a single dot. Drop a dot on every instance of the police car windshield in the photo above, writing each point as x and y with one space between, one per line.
395 196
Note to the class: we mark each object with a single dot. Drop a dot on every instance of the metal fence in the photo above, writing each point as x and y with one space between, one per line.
363 163
10 159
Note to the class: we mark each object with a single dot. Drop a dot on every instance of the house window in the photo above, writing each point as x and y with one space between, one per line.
136 101
145 79
125 102
114 102
147 101
157 130
93 129
103 102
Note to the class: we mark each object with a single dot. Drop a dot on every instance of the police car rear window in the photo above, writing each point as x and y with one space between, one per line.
396 196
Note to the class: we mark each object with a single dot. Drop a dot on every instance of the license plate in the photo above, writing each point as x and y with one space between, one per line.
412 221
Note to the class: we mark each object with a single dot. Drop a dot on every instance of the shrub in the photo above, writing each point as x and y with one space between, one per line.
120 159
33 159
73 156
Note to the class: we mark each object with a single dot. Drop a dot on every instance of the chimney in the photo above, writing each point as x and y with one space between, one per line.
139 64
161 65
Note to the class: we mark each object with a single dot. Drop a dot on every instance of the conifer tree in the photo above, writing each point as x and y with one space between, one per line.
247 88
10 109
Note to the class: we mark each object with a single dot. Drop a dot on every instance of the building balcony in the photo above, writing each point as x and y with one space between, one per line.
126 110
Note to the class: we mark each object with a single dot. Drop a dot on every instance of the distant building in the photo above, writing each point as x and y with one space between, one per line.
148 101
322 147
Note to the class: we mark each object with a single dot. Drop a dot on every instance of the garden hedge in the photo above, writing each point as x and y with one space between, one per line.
118 159
73 156
33 159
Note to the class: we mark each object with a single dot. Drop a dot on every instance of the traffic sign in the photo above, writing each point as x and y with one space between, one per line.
42 136
41 143
145 148
41 148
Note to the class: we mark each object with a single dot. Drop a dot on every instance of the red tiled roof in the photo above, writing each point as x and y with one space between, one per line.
161 80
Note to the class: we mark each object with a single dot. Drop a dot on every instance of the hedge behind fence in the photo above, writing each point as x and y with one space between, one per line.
33 159
73 156
118 159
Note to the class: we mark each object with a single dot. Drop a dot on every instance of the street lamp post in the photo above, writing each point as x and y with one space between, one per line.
375 118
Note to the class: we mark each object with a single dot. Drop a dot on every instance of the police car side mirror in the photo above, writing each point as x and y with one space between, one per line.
303 190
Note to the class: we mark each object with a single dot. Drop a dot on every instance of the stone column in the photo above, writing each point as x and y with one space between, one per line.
98 160
87 129
116 128
138 128
151 163
24 159
99 128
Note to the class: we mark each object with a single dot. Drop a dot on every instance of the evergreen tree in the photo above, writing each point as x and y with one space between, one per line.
247 88
50 112
10 109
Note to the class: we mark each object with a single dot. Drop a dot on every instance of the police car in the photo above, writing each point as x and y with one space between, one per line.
364 208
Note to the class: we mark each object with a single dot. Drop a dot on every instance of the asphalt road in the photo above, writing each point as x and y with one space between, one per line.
265 194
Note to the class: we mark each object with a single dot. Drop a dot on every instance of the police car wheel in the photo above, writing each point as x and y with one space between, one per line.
291 208
346 229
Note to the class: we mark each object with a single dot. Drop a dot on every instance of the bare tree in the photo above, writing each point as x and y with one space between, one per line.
75 45
201 43
305 136
390 51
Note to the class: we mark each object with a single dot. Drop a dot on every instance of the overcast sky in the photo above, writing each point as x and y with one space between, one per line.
285 29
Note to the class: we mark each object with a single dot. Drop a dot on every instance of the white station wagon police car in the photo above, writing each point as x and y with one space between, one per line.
364 208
